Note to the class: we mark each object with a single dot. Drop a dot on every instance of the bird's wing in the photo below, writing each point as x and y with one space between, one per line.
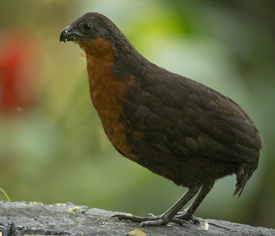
186 118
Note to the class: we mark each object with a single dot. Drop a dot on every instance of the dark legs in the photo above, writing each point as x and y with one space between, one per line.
171 214
188 213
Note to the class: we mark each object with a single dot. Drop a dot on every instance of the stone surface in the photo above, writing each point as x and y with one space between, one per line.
31 218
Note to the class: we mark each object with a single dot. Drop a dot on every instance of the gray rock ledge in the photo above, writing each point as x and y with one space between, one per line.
33 218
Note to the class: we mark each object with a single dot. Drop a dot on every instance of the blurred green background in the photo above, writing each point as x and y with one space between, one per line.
52 146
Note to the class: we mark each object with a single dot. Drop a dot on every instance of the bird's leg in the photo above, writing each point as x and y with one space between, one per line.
188 213
167 216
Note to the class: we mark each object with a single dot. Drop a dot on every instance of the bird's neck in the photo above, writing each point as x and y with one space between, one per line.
108 92
97 50
102 82
106 82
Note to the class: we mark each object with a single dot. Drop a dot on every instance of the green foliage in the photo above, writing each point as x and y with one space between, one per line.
5 194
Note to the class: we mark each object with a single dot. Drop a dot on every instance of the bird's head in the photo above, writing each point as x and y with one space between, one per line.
101 39
87 28
93 32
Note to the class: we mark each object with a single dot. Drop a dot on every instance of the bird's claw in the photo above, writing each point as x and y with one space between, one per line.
130 217
152 220
186 217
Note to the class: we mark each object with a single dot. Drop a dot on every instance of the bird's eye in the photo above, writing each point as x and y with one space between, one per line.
87 26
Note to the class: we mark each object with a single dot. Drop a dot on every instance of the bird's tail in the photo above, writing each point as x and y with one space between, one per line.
243 175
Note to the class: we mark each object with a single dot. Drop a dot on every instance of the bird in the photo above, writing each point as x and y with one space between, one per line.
175 127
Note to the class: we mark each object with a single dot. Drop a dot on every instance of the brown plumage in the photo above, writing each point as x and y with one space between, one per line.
174 126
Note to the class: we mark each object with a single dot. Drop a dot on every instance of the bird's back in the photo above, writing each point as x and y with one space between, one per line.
185 131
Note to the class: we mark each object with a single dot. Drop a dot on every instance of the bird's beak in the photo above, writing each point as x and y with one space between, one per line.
70 34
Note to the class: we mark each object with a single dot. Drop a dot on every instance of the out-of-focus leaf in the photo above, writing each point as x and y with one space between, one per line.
136 232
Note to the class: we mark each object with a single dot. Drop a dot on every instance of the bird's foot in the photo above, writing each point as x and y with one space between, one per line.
151 220
187 216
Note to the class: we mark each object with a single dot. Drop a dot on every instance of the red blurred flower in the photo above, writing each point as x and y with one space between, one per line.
17 69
